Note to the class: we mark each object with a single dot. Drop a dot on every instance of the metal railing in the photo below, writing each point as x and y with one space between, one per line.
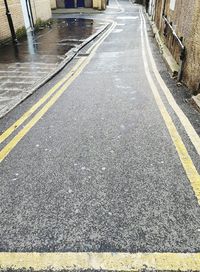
180 44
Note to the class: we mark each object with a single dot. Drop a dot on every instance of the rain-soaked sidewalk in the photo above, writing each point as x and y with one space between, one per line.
23 68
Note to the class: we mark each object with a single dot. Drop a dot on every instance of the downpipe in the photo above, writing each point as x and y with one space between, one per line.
10 22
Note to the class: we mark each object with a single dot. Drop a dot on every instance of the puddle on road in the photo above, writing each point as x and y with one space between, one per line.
53 41
37 55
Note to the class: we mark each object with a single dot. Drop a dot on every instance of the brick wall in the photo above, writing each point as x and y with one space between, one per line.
192 66
41 10
158 13
186 23
17 16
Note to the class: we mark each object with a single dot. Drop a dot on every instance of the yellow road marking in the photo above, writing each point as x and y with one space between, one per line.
186 161
195 139
101 261
6 150
106 261
71 77
28 113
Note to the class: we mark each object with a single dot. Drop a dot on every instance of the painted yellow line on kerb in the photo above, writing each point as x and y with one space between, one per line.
101 261
186 161
28 113
81 65
194 137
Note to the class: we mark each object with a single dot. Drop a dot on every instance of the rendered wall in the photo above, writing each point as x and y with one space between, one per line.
41 9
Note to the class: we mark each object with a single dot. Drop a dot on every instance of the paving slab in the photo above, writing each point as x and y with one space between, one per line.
196 99
35 59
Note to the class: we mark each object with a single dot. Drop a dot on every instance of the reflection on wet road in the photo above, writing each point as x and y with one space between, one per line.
37 55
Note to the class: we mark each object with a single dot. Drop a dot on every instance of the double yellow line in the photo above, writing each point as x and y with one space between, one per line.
108 261
48 99
183 154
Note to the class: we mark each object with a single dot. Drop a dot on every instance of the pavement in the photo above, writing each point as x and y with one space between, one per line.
167 56
75 11
170 61
104 174
196 99
39 56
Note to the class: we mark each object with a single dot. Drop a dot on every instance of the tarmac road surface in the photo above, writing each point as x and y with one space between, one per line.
105 169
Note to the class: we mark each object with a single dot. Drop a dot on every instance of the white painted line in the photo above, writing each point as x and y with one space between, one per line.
117 31
19 72
32 68
35 63
128 17
18 76
11 89
23 82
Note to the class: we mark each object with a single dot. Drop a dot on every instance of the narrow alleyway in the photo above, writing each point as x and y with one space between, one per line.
105 164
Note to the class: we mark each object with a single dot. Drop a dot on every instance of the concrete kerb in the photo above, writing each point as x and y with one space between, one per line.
196 100
69 57
86 11
167 56
169 60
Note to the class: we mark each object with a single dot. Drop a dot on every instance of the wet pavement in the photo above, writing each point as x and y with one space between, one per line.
98 171
24 66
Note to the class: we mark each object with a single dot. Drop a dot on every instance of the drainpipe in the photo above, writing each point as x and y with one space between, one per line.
30 15
182 60
164 4
181 45
10 22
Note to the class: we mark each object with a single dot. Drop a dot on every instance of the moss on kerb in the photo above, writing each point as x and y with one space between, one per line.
41 23
21 32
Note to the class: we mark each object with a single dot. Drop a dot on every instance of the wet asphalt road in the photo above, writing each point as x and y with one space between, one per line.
99 171
39 56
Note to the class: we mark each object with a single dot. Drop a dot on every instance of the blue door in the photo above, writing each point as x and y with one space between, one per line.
80 3
69 4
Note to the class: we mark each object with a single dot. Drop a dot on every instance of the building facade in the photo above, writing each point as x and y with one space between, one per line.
182 17
24 14
98 4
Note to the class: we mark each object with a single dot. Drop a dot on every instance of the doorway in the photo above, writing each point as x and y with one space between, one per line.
69 3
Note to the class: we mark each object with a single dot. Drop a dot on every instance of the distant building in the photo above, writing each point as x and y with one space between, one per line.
99 4
183 18
25 14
